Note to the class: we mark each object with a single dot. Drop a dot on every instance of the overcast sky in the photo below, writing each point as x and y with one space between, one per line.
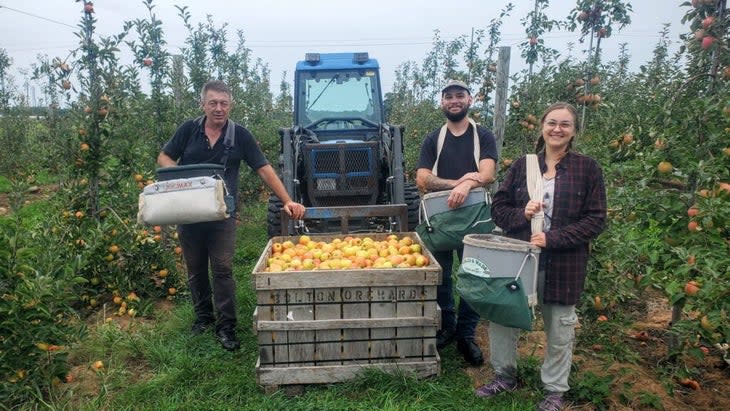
281 31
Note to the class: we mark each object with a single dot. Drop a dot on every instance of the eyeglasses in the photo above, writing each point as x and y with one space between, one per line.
215 103
562 124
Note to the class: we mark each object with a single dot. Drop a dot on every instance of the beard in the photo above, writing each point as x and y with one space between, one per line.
458 116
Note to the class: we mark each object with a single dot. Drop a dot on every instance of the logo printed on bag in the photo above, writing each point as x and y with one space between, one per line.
476 267
175 185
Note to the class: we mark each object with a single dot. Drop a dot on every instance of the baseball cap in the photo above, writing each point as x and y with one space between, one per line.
455 83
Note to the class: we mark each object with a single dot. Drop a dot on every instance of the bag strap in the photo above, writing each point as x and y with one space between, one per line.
228 142
534 189
530 254
442 138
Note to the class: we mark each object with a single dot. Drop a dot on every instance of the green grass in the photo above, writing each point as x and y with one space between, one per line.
159 365
41 178
4 184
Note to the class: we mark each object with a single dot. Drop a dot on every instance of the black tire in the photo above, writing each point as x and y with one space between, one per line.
413 200
273 216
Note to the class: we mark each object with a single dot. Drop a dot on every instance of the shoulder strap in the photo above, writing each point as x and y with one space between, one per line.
477 148
228 142
230 139
442 138
439 146
534 189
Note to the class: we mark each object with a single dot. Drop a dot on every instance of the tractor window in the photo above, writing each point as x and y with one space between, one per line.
346 95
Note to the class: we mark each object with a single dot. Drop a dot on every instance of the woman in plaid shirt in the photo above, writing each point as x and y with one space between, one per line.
574 205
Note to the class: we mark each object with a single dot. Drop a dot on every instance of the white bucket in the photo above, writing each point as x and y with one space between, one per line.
435 203
500 256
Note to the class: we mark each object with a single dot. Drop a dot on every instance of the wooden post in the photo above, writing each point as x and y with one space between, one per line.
178 80
500 99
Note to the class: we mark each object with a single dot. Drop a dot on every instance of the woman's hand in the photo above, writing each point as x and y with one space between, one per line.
532 208
539 240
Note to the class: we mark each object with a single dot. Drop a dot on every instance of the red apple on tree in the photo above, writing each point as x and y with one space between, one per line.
147 61
533 40
707 42
584 15
699 34
602 32
693 211
707 21
88 8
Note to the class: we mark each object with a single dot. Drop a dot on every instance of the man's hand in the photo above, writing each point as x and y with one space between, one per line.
458 194
473 176
295 210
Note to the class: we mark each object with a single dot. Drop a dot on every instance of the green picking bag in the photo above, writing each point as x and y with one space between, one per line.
446 230
498 299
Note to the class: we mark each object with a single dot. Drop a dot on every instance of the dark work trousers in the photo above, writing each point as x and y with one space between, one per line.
211 241
466 322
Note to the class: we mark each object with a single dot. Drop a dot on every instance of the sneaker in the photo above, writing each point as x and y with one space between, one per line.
553 401
471 351
200 326
499 384
444 338
228 340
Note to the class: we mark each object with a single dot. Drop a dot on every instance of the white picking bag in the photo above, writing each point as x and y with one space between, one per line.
191 193
183 201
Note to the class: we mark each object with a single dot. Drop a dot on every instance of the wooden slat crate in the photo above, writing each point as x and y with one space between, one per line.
326 326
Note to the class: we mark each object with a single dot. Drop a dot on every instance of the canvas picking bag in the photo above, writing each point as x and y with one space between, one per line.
443 229
501 300
183 201
188 194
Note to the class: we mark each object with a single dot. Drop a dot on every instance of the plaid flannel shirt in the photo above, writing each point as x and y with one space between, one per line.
579 215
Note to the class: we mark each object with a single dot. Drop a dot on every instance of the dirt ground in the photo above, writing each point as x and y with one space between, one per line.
34 194
632 379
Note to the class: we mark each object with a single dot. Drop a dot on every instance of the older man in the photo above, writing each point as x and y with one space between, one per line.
202 141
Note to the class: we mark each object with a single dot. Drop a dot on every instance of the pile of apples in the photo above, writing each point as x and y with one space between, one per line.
349 253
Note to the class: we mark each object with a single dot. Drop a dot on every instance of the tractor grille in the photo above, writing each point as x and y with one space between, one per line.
342 174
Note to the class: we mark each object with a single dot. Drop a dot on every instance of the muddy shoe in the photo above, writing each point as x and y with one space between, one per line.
471 351
553 401
498 385
444 338
228 339
199 327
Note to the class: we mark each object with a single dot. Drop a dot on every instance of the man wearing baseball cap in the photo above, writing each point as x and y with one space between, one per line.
467 159
455 84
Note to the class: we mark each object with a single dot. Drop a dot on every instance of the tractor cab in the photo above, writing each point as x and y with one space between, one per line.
337 96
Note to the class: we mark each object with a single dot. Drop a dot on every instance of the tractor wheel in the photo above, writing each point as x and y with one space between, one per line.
273 216
413 200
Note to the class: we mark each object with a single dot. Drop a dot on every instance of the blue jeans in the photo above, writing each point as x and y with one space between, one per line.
212 242
466 322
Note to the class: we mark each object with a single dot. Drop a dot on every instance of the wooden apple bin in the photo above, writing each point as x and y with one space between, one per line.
325 326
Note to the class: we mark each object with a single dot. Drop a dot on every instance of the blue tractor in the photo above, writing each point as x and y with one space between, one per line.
341 154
